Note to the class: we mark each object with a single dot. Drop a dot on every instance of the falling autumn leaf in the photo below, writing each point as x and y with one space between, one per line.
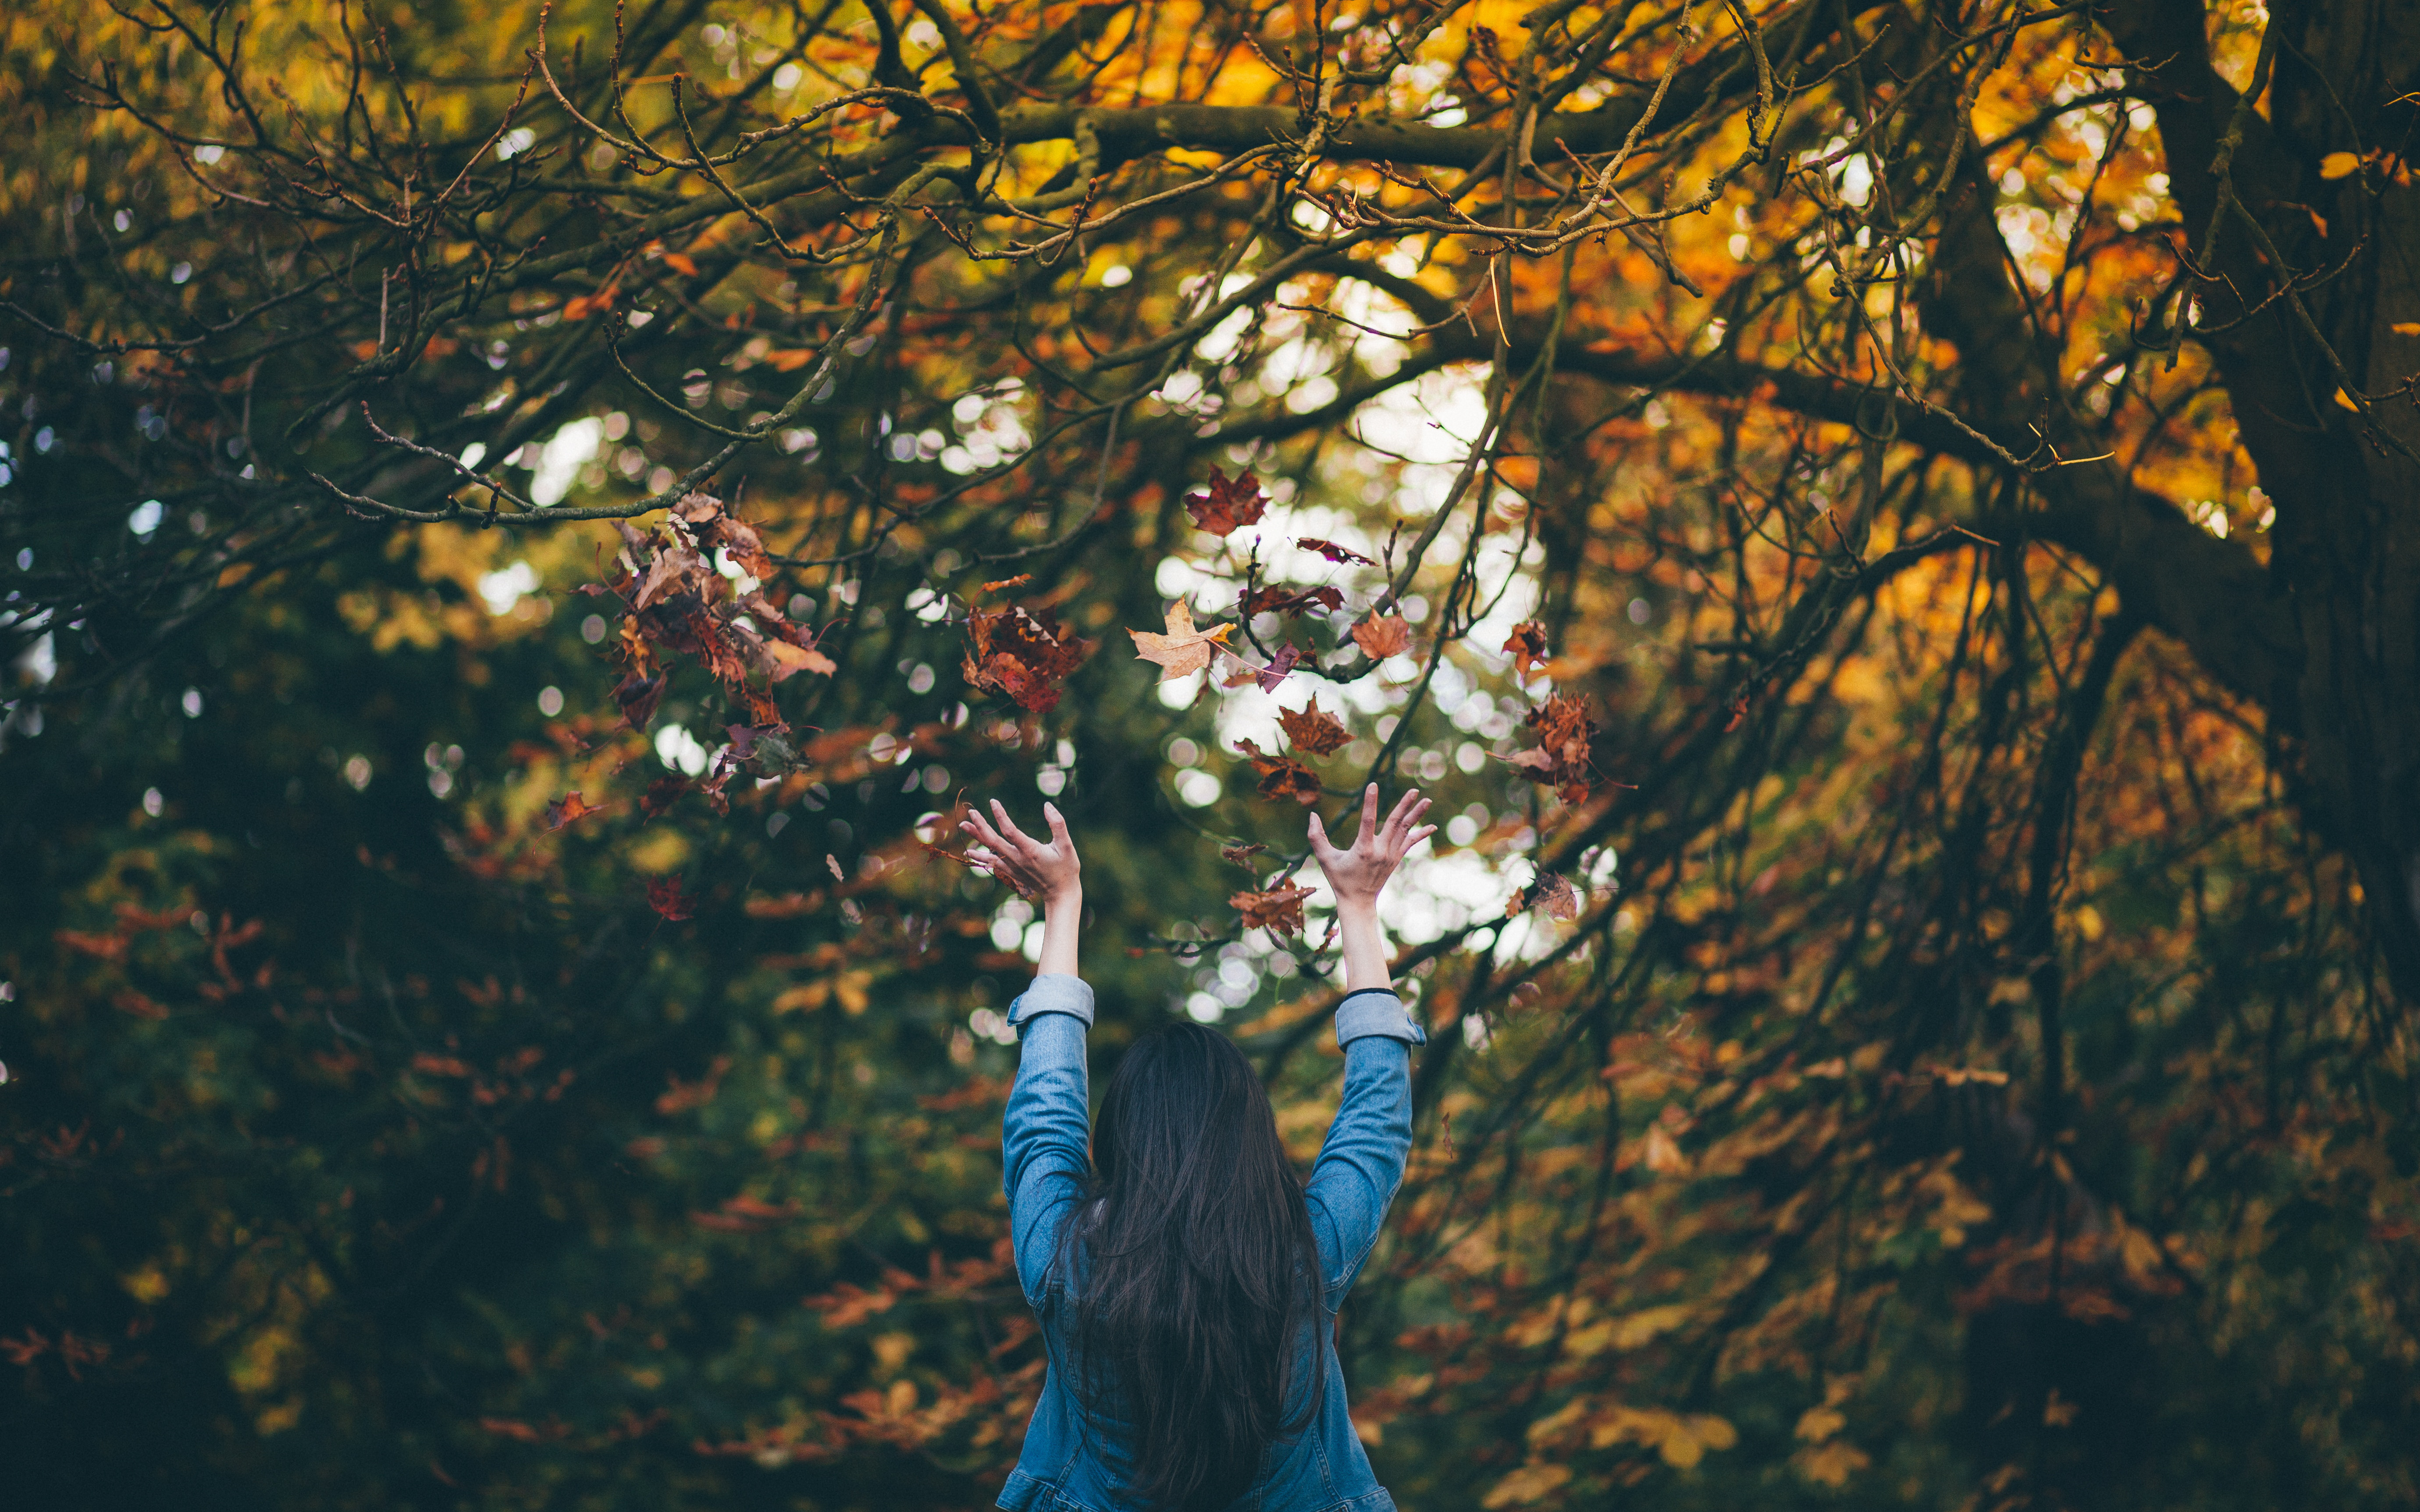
1382 635
637 697
1272 598
2339 166
664 897
1313 729
1560 758
662 793
1283 777
571 806
1182 650
1230 504
1552 893
1334 553
1267 679
680 263
1279 910
1527 646
1006 583
789 660
1023 654
1242 854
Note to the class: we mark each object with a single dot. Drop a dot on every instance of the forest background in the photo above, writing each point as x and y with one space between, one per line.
1890 531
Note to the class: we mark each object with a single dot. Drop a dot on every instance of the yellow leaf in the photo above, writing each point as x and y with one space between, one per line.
1529 1484
1817 1424
1663 1155
1831 1464
2346 400
788 659
810 996
2406 328
680 263
1184 650
2339 166
851 992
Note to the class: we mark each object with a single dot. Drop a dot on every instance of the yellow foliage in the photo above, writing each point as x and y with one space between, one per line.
1526 1486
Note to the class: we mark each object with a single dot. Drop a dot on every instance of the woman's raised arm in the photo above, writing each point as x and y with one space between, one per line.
1362 1162
1045 1134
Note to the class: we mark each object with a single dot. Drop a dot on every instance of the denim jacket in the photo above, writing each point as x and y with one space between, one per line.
1047 1140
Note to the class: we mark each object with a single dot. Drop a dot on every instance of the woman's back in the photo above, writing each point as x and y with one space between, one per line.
1186 1285
1080 1450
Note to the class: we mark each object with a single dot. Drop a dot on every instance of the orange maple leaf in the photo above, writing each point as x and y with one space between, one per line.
1313 729
1280 909
1381 636
572 806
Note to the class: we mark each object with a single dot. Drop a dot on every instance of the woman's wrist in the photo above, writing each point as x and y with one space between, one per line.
1065 900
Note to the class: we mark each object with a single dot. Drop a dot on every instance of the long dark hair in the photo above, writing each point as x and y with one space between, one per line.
1197 1268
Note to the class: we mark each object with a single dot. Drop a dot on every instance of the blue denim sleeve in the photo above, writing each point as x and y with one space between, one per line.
1046 1137
1362 1162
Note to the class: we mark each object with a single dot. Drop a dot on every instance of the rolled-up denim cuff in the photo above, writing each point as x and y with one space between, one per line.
1055 992
1375 1012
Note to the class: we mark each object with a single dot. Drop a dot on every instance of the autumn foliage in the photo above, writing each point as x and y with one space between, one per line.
1887 530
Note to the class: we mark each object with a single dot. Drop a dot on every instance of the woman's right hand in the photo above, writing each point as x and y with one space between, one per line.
1046 870
1356 875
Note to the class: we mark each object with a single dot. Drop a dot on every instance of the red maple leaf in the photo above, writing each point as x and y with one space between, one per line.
661 793
664 897
1231 503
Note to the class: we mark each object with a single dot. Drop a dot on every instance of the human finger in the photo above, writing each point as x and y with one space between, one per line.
1321 846
984 832
1400 818
1058 824
1368 833
1008 827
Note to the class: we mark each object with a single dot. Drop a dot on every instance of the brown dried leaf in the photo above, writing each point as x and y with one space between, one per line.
1023 654
1560 758
1279 910
1382 635
664 897
1283 777
1273 599
1527 646
1334 553
1241 854
1231 503
638 697
741 543
661 794
1313 729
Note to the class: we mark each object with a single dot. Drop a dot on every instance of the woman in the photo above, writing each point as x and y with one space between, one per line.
1187 1279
